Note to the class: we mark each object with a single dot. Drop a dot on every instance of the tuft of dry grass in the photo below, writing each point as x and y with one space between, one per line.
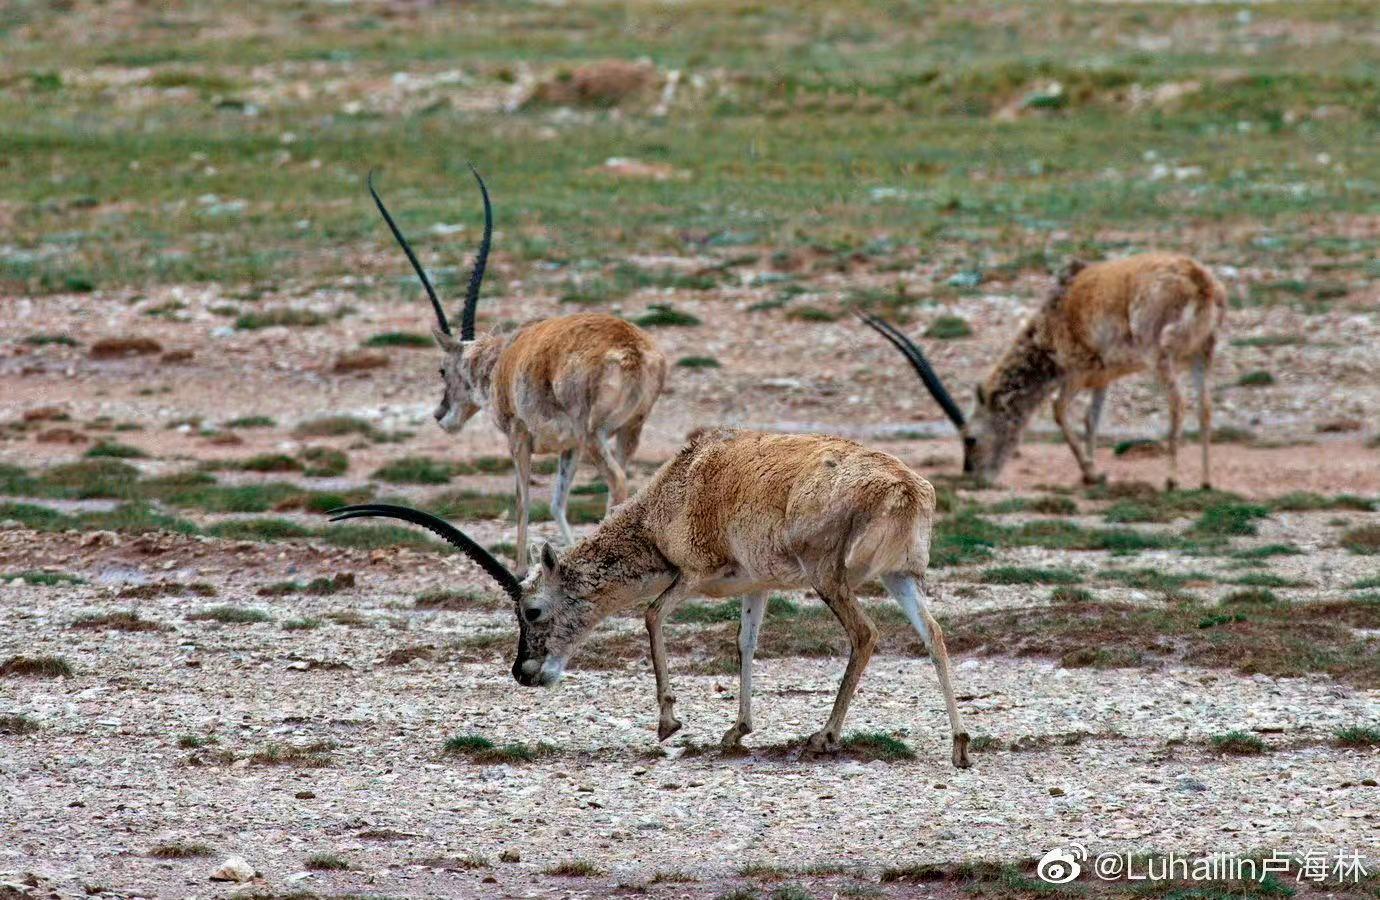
120 347
327 862
304 756
1365 539
17 725
36 667
180 850
574 868
116 620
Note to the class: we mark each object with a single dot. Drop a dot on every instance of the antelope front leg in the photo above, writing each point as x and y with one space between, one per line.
862 639
1061 418
1090 420
521 448
749 626
662 606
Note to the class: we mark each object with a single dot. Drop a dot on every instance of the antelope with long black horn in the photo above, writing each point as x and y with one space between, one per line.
571 385
1102 322
734 513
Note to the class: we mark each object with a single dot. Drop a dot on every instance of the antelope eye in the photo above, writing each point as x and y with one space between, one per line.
442 372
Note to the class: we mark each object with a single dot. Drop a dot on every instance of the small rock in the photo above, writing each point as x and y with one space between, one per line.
509 856
305 795
1056 792
1191 785
234 869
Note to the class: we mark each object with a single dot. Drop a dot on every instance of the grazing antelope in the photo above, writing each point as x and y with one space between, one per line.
1101 322
733 513
566 385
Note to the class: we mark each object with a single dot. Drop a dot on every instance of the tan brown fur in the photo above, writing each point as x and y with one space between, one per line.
1155 311
567 385
743 513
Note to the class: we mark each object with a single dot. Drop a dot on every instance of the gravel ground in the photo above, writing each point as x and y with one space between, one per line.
1115 759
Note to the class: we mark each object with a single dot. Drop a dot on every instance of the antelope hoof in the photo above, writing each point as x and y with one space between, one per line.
823 742
733 739
961 750
667 727
1207 485
1171 484
1092 478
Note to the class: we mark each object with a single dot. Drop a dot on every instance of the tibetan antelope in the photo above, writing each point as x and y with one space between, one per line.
1100 323
566 385
734 513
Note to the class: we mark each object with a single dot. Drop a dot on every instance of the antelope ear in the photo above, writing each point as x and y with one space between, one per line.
549 562
448 342
981 395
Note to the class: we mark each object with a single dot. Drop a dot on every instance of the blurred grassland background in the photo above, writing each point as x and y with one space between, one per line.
184 142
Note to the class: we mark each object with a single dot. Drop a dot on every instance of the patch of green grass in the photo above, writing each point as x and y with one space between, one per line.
1305 501
1358 736
874 745
400 339
1238 743
1268 550
284 316
1366 583
36 667
15 725
1027 575
1230 519
270 462
327 862
479 749
791 892
1266 580
661 315
698 362
1258 378
251 422
180 850
1270 340
812 314
46 579
44 340
415 470
574 868
114 450
324 462
193 741
336 426
949 328
259 530
230 615
304 624
1070 595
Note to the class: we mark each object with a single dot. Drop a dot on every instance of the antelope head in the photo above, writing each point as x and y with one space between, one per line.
550 622
463 389
988 442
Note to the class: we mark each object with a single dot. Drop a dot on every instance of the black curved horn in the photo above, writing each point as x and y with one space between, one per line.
442 529
919 363
481 260
411 257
